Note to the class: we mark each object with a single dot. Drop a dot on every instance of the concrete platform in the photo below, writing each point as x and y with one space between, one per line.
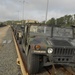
8 55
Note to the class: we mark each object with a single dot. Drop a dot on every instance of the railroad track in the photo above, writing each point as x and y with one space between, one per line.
52 70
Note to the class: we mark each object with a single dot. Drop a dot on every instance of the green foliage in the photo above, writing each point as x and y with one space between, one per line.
13 22
66 20
2 24
43 22
60 21
51 21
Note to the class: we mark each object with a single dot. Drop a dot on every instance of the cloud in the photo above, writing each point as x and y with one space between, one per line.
35 9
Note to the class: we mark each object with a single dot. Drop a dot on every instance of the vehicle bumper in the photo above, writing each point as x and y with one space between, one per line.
49 59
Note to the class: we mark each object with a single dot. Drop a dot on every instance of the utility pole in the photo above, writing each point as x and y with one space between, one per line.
46 15
46 11
23 22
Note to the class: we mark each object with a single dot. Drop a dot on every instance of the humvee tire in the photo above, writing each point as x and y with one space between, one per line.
32 63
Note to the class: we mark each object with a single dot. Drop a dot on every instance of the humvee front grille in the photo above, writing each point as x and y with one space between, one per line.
63 51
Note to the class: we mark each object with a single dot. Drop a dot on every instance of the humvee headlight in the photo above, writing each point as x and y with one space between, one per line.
37 47
50 50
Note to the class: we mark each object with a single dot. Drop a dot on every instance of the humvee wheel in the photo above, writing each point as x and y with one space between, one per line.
32 63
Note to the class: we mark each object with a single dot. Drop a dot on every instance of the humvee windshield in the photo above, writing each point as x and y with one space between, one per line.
62 32
55 32
39 30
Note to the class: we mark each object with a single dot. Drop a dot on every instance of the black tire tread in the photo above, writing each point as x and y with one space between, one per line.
34 63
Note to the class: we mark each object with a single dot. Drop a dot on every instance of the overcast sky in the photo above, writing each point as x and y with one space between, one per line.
35 9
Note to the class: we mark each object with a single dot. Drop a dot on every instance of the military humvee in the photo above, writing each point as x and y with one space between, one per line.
46 45
19 32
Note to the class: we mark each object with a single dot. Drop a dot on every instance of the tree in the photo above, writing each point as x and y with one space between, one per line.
51 21
60 21
43 22
68 20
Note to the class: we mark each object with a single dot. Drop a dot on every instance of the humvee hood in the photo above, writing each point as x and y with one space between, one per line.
50 42
56 42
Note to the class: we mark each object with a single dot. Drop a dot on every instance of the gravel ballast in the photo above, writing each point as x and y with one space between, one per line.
8 54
